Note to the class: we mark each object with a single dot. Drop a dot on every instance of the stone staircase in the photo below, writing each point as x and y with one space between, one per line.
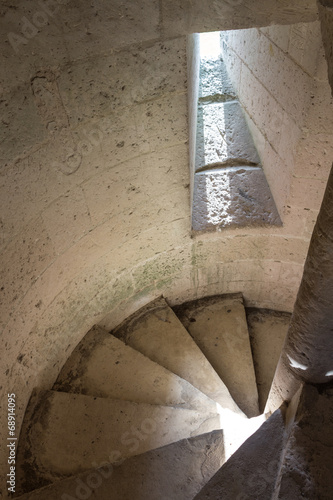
153 409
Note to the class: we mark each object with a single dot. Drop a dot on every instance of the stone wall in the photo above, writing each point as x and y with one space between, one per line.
280 75
95 209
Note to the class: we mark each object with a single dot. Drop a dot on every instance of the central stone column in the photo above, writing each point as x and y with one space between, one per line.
307 355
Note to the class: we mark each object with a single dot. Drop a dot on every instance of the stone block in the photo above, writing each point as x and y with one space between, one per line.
232 197
223 136
67 220
162 474
83 429
307 193
27 256
304 45
279 35
103 366
156 332
218 326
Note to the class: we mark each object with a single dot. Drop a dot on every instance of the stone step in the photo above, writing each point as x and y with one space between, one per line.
64 434
252 471
156 332
177 471
219 327
268 330
102 365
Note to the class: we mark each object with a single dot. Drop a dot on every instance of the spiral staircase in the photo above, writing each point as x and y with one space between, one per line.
157 408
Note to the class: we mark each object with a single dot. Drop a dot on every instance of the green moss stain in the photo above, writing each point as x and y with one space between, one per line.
157 271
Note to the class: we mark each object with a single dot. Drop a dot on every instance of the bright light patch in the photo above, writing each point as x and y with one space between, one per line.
237 429
210 45
214 131
296 364
329 374
218 198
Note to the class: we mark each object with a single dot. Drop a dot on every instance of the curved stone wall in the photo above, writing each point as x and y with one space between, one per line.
95 208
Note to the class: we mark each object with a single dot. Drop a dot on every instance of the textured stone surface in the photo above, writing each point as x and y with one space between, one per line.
237 196
260 64
223 144
214 79
326 17
252 471
218 325
103 366
308 350
174 472
156 332
223 136
99 261
268 330
308 464
190 17
64 433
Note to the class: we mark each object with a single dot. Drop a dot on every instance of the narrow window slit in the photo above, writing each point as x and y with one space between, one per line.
229 187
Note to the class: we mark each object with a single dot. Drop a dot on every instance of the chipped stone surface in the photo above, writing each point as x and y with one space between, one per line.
218 325
64 434
136 244
223 136
214 79
156 332
238 196
171 472
103 366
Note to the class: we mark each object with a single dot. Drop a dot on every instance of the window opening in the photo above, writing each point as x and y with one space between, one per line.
229 185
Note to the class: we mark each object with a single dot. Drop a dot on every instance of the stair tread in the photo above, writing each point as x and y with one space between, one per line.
268 330
156 332
252 470
102 365
158 474
219 327
63 434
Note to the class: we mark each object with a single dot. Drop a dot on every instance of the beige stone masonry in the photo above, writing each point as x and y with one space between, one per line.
252 471
307 467
268 330
103 366
65 434
171 472
218 325
95 215
156 332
